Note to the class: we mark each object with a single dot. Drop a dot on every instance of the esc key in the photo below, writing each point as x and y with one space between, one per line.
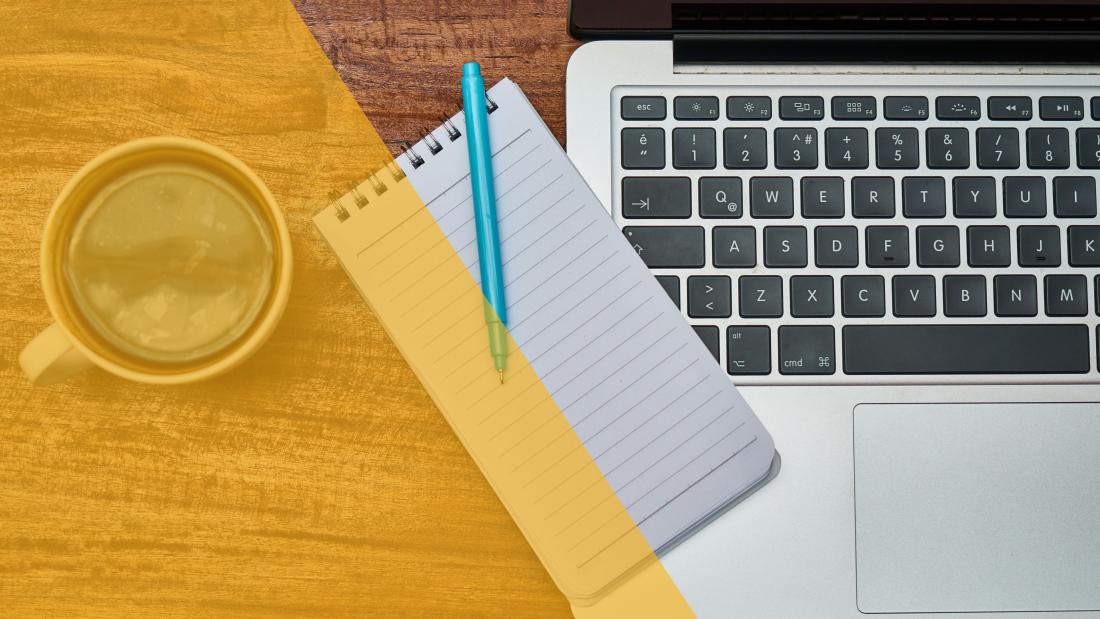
643 108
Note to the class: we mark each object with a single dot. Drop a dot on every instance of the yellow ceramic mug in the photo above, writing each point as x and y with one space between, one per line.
164 260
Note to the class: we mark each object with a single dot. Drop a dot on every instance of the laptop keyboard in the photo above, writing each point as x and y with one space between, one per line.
826 236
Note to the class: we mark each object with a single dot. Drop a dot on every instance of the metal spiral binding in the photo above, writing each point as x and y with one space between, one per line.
433 144
360 199
377 184
379 187
415 159
452 131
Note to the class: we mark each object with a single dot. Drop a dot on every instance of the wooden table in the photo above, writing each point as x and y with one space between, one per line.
318 479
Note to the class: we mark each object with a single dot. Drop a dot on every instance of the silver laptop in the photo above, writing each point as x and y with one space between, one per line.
881 218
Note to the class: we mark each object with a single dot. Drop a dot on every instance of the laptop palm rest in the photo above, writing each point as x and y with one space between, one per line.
977 507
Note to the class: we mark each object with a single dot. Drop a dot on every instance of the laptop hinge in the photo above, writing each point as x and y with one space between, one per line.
885 46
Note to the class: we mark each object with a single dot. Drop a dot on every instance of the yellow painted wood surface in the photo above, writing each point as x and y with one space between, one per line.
318 479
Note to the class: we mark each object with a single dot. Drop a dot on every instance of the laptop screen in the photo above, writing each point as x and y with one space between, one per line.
659 18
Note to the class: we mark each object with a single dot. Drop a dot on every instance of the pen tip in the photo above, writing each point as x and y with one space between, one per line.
502 377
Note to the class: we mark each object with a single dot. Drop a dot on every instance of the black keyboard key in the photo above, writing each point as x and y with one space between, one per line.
924 196
721 198
938 246
708 334
1014 295
1010 108
1061 108
873 197
749 108
964 296
643 149
656 197
745 148
748 350
975 196
695 108
1039 246
887 246
1066 295
999 149
643 108
795 148
671 284
694 149
771 197
709 296
785 247
801 108
760 296
846 148
811 296
854 108
668 247
1084 246
807 350
914 296
948 148
1096 108
1075 196
863 296
988 246
1048 148
958 108
822 197
734 247
897 149
1088 148
966 349
836 246
905 108
1025 196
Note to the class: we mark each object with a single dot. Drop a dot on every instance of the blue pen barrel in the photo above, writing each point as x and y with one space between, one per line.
481 179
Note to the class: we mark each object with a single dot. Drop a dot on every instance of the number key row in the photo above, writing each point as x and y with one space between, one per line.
848 148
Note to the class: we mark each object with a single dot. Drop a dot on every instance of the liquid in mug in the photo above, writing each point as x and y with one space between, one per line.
170 263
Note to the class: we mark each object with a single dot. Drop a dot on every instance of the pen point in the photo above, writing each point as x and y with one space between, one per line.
502 377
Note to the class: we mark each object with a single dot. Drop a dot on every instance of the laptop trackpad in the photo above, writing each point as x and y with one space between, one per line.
977 507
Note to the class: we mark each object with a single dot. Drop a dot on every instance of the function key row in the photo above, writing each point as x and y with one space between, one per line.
858 108
829 197
849 148
884 247
867 296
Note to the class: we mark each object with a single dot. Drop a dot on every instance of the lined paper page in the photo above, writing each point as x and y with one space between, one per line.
615 432
671 434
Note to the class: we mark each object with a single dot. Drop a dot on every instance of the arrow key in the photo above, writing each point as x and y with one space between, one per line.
709 296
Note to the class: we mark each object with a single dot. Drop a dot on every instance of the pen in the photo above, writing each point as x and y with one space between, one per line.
485 213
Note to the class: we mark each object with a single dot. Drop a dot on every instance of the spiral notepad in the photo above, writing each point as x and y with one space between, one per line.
615 433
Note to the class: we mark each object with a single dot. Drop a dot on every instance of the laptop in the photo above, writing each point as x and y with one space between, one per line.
881 218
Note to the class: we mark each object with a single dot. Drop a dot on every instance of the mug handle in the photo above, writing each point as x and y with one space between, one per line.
51 357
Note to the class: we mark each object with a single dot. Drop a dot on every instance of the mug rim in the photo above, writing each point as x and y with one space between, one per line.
261 327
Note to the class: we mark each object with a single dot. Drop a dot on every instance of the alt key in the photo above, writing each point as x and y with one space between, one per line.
748 350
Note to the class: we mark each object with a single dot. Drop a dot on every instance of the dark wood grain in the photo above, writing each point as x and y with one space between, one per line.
401 59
